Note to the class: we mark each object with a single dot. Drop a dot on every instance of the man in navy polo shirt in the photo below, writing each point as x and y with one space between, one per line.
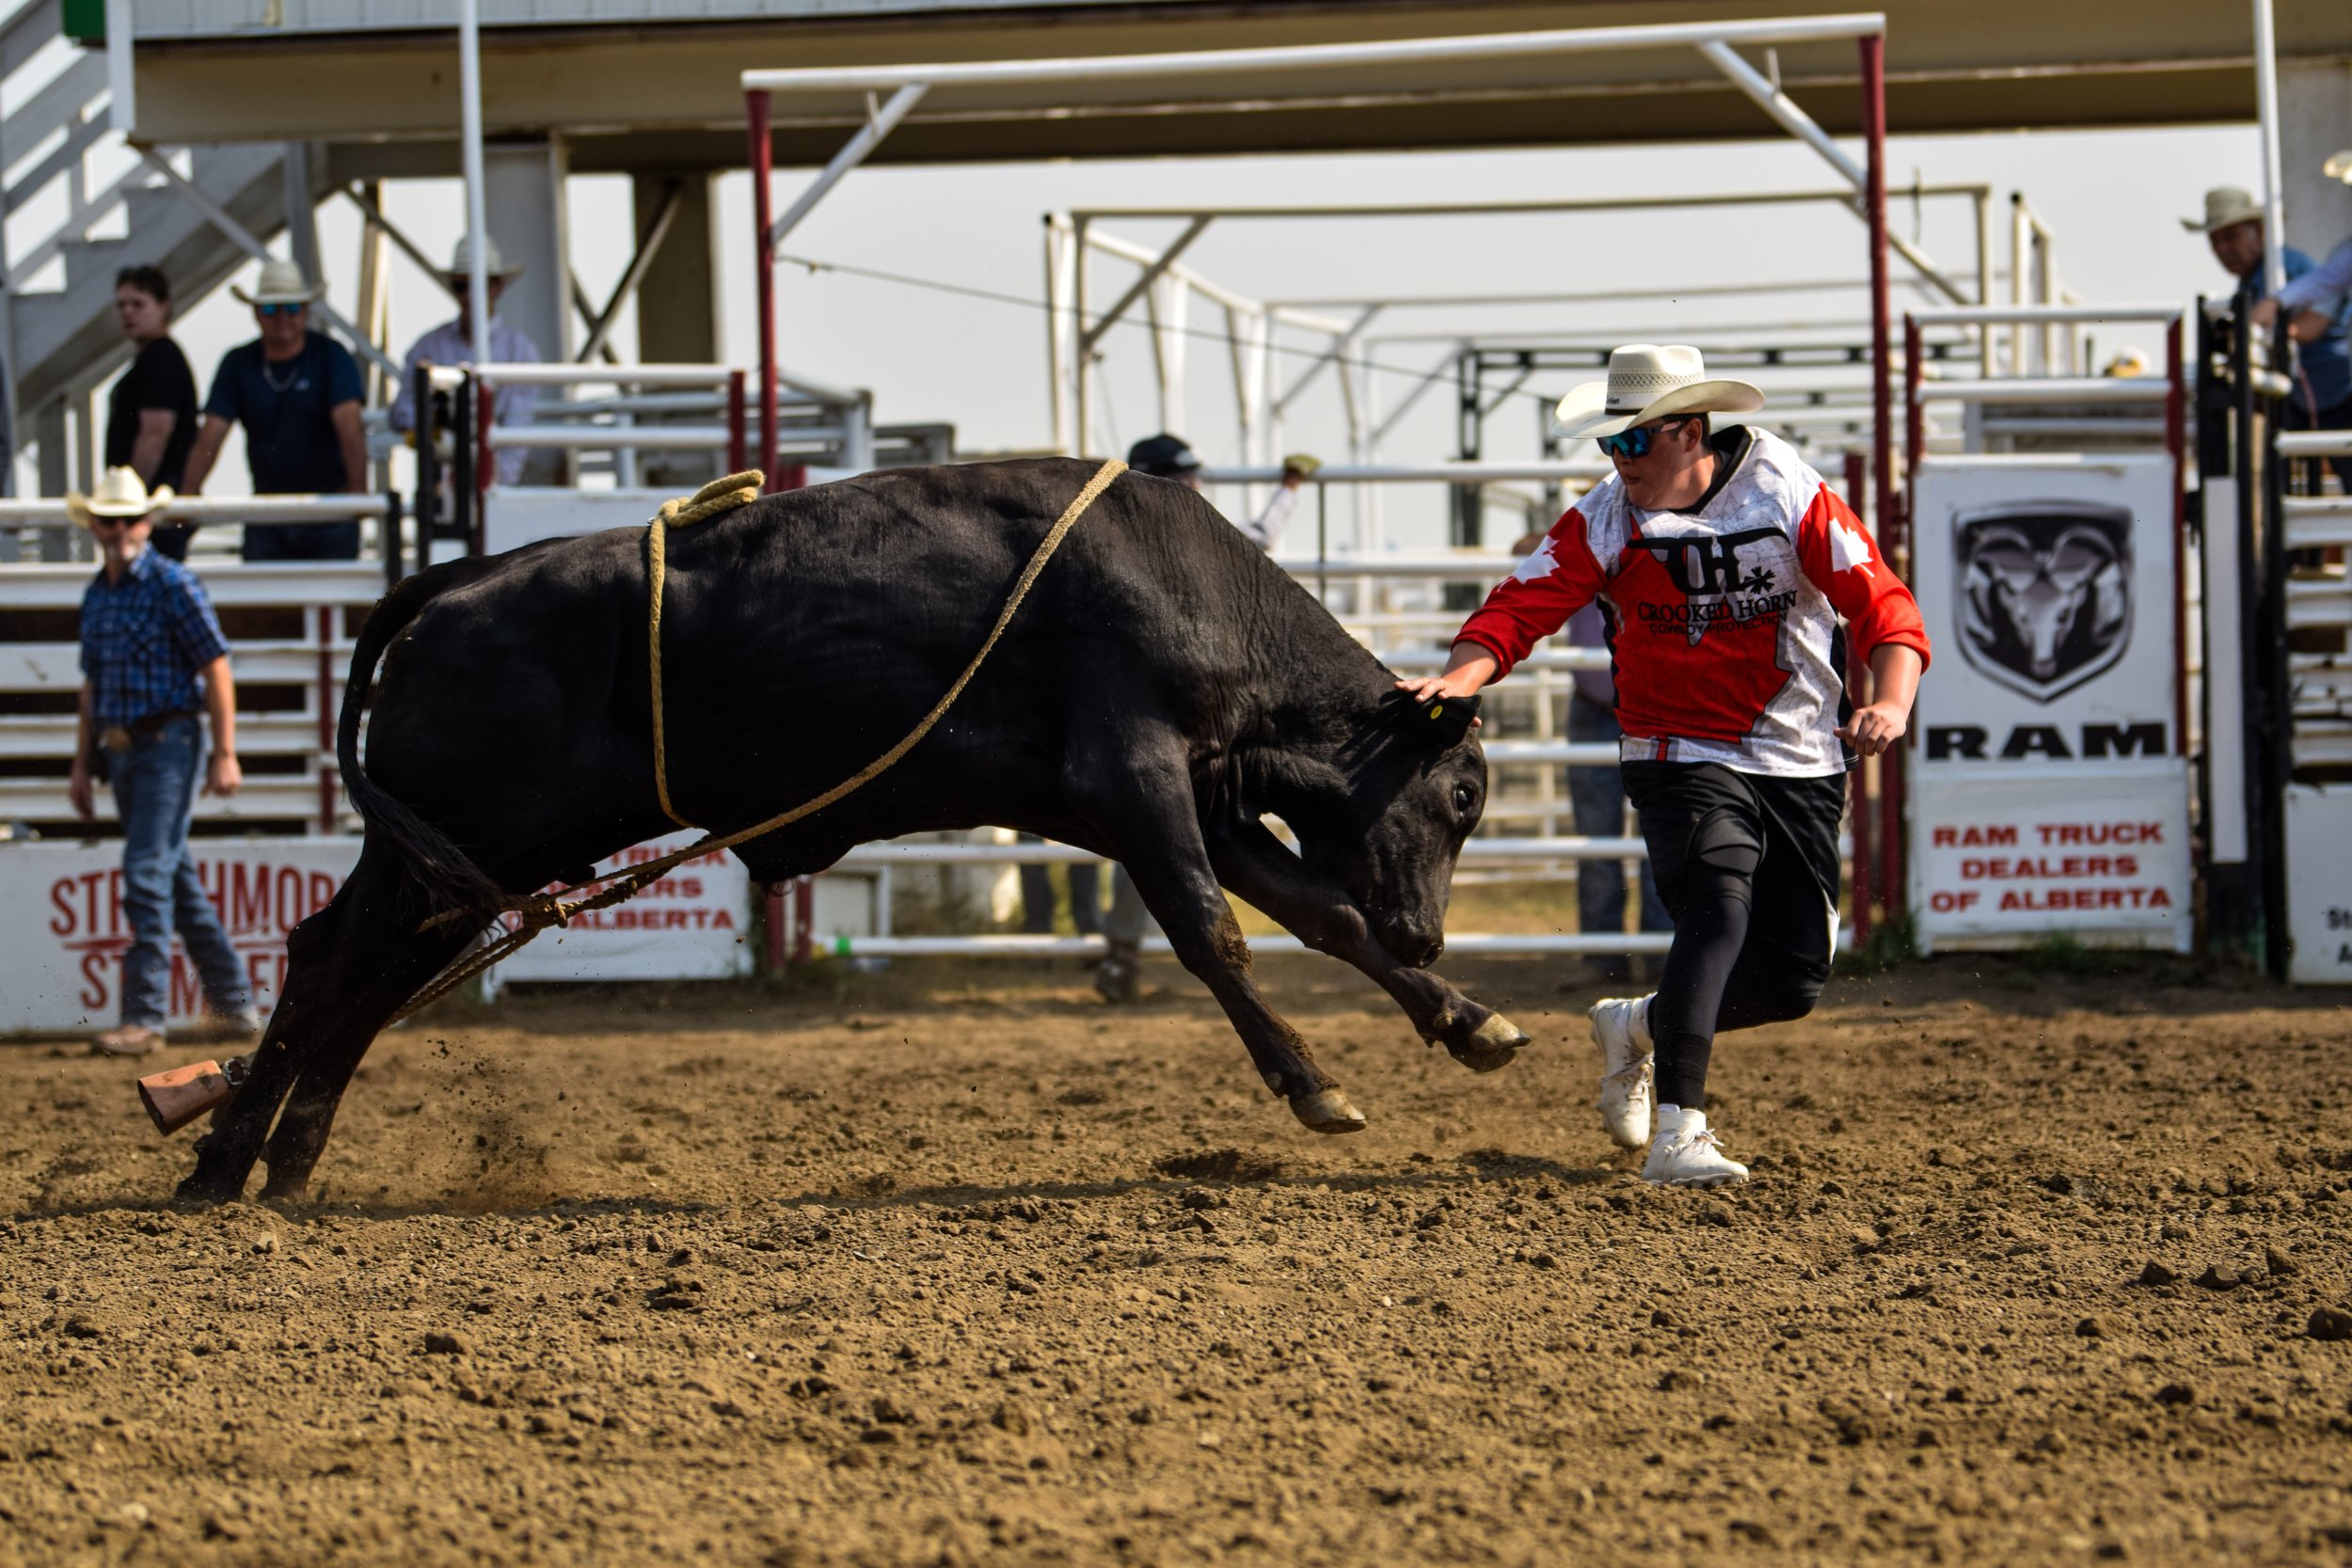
153 653
297 394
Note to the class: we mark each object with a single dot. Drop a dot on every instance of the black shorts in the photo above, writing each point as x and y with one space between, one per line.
1692 813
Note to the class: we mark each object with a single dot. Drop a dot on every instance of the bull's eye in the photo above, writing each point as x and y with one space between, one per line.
1464 798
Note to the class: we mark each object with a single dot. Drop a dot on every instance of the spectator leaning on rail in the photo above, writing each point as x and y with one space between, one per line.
150 414
2232 224
1597 796
452 343
2318 308
153 653
1166 456
1723 562
296 392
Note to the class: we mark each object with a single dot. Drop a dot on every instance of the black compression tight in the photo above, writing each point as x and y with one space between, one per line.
1714 980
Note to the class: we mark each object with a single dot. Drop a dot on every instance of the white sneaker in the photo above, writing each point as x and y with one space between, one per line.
1687 1153
1621 1029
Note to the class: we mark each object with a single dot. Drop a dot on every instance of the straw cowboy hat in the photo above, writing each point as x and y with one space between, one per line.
280 283
2225 205
1650 381
118 492
461 260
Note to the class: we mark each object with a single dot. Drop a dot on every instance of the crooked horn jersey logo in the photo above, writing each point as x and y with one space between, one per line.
2045 593
1723 576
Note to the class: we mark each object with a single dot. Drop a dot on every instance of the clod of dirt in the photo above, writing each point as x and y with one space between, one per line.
2091 1328
2278 1264
2218 1278
1011 1417
2176 1393
2071 1186
2329 1323
447 1344
1220 1164
2154 1273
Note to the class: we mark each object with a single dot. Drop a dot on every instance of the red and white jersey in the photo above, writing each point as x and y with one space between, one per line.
1722 621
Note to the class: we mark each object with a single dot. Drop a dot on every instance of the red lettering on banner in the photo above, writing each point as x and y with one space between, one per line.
2064 833
96 969
60 900
2059 900
1992 836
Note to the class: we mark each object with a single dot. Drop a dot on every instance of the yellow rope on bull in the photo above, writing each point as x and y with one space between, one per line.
540 910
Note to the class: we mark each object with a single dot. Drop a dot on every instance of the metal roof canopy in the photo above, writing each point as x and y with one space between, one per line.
1213 80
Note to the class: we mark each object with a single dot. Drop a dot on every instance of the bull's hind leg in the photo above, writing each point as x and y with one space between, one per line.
1257 865
342 965
1161 847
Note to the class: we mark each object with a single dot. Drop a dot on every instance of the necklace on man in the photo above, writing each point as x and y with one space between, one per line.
291 376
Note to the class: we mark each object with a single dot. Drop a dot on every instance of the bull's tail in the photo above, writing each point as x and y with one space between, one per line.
445 875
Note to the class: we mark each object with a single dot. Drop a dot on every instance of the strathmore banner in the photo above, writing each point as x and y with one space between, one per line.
2049 789
63 930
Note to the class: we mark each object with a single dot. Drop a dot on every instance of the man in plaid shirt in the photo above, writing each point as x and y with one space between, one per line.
153 653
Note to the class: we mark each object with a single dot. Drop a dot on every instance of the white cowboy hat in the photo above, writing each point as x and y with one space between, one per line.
118 492
1650 381
2225 205
280 283
461 260
2338 167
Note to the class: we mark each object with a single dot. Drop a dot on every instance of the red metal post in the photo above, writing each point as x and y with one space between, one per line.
485 461
776 950
1893 536
2176 437
1858 692
739 441
764 276
803 919
329 782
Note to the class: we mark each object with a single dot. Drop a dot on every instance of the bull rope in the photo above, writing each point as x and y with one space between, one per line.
540 910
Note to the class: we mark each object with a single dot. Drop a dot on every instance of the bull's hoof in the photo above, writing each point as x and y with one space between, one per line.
201 1192
1326 1111
1490 1046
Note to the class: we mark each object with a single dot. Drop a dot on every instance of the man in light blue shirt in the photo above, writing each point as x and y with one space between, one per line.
452 343
2318 313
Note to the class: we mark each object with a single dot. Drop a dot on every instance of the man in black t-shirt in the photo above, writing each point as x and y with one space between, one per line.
150 415
296 392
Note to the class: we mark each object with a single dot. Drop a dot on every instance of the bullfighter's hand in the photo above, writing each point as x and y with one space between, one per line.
2265 310
222 776
1425 687
79 792
1875 729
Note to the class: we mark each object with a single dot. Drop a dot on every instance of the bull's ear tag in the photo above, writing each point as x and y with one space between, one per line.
1437 710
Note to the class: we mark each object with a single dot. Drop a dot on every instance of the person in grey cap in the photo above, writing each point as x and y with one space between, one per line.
1165 456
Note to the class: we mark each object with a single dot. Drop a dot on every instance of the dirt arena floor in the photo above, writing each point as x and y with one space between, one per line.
953 1265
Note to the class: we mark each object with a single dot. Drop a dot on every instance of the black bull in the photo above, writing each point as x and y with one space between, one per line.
1163 687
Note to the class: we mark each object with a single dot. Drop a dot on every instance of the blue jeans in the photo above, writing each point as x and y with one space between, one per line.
154 784
1597 796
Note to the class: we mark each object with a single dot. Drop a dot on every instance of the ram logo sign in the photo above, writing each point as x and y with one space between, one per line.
2045 593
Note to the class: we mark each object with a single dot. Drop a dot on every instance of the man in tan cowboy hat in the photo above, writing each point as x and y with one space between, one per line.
152 654
1722 563
296 392
2313 301
452 343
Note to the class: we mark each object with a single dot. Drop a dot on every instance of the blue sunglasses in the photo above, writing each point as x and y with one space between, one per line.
1635 442
280 309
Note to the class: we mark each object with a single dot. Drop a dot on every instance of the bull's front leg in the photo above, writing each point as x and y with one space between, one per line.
1261 868
1161 847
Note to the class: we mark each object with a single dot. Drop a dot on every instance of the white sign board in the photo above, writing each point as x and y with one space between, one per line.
2319 883
2003 857
63 930
2048 585
694 923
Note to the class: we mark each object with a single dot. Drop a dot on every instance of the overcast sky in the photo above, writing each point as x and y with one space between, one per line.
2114 200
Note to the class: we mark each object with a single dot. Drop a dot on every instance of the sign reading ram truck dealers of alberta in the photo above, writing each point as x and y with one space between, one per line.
2048 789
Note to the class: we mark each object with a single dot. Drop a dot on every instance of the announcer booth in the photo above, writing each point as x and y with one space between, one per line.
2051 786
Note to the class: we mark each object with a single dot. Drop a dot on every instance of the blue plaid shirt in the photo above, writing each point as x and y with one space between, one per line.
144 640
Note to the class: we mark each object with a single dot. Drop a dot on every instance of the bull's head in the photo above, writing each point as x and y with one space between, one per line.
2042 592
1410 786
